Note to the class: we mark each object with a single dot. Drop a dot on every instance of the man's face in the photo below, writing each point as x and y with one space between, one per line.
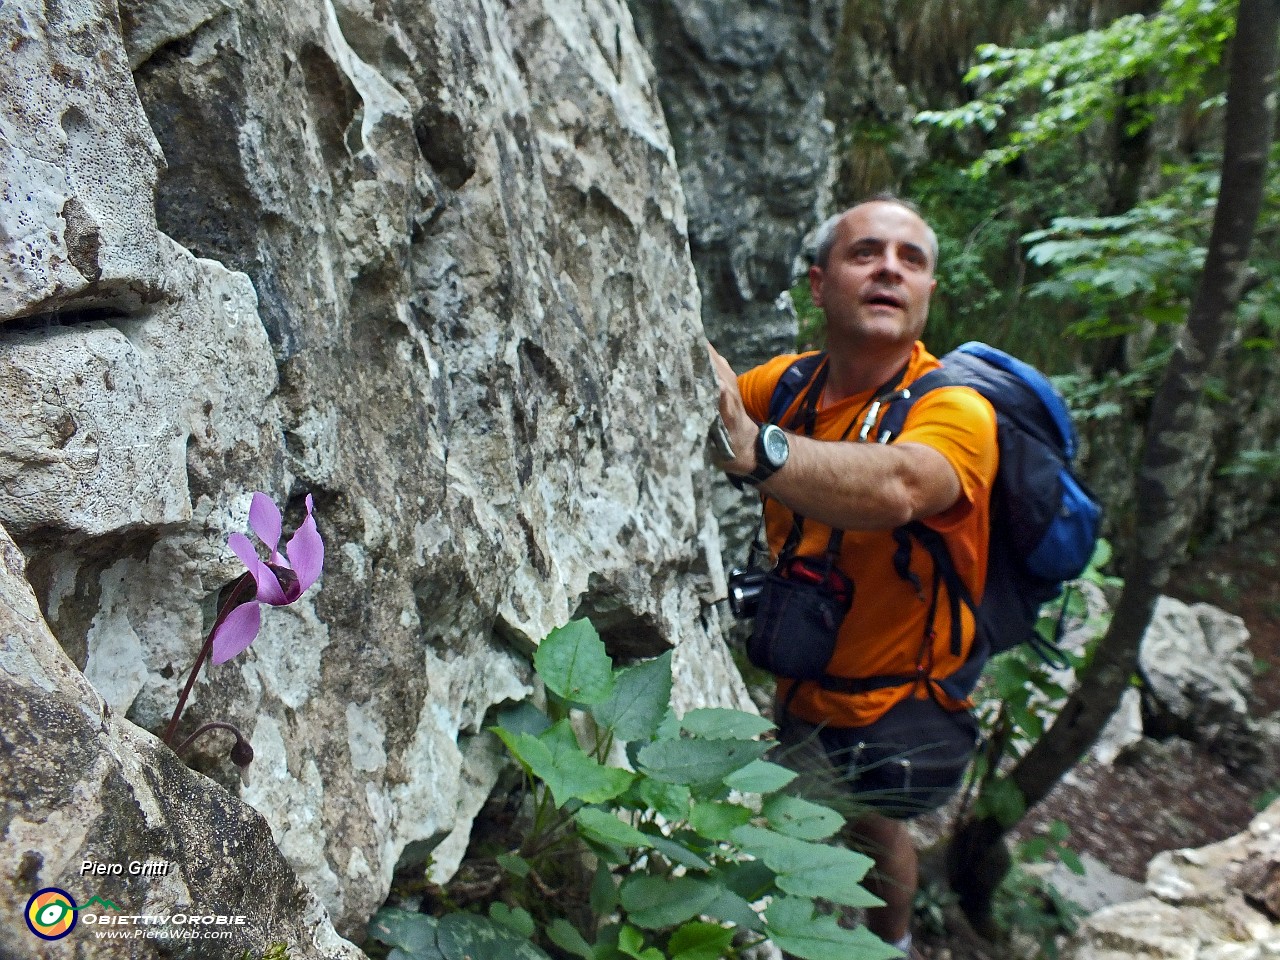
879 277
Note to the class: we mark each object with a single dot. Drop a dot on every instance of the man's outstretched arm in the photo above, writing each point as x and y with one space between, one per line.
847 486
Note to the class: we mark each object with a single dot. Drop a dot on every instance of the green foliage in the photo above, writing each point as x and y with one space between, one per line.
1086 77
1019 696
811 321
983 275
1266 798
1029 903
689 841
277 951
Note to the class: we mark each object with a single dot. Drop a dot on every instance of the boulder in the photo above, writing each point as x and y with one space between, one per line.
1214 903
1198 672
425 261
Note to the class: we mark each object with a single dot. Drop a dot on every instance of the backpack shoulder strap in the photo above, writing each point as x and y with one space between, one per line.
791 382
900 403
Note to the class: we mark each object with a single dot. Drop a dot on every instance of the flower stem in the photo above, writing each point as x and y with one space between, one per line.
241 753
233 600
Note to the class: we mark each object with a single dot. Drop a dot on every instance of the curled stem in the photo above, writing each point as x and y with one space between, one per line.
234 599
241 752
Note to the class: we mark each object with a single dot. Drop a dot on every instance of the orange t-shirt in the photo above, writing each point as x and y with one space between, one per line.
884 631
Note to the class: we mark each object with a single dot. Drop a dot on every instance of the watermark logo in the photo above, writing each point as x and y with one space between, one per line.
51 913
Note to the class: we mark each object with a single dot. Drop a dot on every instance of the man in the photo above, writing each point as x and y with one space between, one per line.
886 727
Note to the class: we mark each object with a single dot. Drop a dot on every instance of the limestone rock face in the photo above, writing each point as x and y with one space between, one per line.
742 85
82 784
426 261
1208 904
80 163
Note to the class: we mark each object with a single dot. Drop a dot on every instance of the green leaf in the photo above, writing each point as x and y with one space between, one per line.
669 728
732 908
1001 800
697 761
522 717
678 853
557 760
631 943
604 892
658 902
603 827
699 941
760 776
640 699
414 933
465 936
716 820
795 927
517 919
669 799
1071 860
574 664
514 864
810 869
750 879
721 723
797 817
566 936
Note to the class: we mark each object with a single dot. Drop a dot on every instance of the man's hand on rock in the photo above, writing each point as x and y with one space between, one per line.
742 430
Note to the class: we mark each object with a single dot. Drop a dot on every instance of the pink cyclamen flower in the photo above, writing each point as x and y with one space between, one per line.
279 581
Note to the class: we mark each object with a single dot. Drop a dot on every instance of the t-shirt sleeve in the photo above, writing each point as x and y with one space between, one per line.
757 385
961 425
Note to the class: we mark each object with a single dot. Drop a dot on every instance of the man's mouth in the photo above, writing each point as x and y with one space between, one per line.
881 298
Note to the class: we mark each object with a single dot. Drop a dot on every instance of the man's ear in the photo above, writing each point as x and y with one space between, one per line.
815 285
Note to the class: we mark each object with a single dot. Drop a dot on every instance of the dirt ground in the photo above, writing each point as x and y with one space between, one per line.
1169 795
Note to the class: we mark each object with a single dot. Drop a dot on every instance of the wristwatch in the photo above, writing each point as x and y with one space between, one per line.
772 450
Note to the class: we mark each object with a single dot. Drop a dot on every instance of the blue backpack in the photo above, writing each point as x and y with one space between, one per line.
1044 520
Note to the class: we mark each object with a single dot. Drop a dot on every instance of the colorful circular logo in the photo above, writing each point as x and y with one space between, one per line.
51 913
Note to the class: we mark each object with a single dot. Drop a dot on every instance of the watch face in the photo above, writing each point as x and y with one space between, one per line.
776 447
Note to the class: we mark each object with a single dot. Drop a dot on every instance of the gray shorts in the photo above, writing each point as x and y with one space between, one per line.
908 762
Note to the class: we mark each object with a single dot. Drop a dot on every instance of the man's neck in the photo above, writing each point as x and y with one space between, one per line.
851 373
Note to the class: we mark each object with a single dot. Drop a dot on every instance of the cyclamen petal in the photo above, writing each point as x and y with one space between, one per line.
306 551
264 520
269 589
236 631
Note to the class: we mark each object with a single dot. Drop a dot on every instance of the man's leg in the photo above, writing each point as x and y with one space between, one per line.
893 878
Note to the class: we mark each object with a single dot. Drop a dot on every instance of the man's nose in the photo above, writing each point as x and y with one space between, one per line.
889 266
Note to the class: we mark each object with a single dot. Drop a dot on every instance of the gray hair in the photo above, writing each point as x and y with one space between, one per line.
826 236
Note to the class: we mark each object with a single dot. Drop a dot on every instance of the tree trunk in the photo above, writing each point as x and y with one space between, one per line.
978 858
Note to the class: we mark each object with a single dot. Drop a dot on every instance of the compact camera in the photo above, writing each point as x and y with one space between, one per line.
745 586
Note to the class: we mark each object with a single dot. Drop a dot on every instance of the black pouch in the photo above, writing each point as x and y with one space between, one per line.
802 605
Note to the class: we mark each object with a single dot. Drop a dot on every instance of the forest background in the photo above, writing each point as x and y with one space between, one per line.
1098 175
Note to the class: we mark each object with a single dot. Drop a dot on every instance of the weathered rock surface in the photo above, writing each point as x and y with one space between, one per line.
84 784
742 85
1220 902
80 163
429 263
1199 675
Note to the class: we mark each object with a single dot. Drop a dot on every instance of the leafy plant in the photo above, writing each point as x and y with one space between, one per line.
277 951
1021 694
1028 902
1085 77
699 854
